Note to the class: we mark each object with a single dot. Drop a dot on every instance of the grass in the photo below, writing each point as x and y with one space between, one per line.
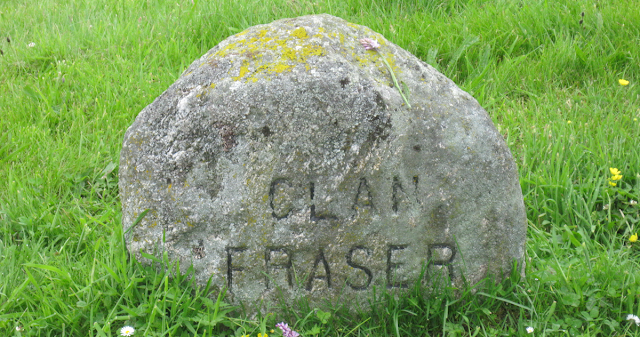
547 75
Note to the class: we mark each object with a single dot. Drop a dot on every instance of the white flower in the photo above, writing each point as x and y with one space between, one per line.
369 44
631 317
632 202
31 44
127 331
19 329
529 329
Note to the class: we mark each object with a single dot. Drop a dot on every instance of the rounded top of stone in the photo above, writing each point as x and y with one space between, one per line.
284 45
310 44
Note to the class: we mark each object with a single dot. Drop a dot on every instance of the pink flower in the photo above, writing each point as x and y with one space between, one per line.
286 331
369 44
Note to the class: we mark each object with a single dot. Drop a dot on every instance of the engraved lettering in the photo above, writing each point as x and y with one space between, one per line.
392 266
312 274
279 270
441 257
275 259
280 198
396 187
398 195
319 216
364 200
359 251
231 251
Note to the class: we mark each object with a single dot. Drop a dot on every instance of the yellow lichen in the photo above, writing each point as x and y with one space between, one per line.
300 33
255 47
392 62
244 69
289 53
279 68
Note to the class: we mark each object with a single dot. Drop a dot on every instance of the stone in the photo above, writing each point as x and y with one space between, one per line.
284 164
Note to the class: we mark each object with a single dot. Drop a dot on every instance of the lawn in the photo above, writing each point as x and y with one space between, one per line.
558 78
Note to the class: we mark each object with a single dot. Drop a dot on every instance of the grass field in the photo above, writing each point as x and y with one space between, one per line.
74 75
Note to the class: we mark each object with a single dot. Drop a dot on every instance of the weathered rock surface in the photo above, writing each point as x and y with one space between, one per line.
284 161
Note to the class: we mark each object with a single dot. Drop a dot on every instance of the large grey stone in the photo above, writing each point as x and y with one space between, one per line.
285 162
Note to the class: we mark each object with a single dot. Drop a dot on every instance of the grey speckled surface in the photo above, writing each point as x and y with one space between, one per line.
284 161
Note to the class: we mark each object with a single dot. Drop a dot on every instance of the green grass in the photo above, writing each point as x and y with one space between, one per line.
548 80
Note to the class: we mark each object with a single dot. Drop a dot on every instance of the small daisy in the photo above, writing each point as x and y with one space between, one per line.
529 329
127 331
31 45
634 318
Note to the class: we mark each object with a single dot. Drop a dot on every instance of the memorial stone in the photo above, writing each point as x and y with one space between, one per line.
285 164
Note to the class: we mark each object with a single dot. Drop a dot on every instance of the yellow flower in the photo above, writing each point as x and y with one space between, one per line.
633 238
623 82
568 122
612 183
262 335
614 171
616 177
271 331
